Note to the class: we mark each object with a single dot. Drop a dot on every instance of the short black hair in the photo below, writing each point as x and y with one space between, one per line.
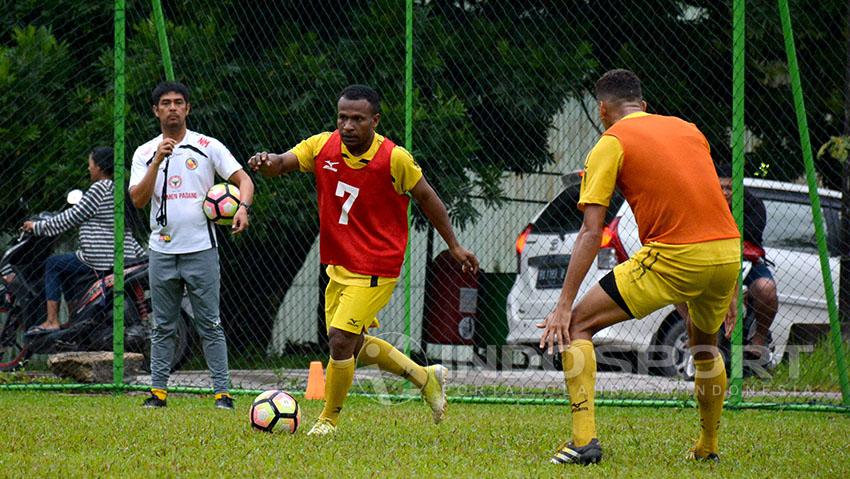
103 158
724 170
168 87
619 86
362 92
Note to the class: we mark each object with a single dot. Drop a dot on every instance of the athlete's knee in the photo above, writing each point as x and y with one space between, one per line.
703 345
342 343
580 324
763 290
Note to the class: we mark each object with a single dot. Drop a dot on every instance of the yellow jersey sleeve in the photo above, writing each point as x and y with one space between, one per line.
404 170
600 172
307 151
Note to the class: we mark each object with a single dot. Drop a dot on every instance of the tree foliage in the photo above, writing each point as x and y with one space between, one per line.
490 76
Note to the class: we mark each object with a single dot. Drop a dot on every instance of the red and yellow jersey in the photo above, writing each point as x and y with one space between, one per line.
663 167
405 172
362 206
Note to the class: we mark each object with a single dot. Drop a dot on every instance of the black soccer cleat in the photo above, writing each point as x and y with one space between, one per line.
591 453
224 402
711 457
154 402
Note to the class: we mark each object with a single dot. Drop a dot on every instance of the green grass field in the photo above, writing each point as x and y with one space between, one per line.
72 435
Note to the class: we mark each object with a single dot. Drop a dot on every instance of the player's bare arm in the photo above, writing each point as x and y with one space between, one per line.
246 193
272 164
435 211
142 192
556 327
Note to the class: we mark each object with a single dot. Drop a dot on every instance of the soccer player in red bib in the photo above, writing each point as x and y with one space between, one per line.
364 183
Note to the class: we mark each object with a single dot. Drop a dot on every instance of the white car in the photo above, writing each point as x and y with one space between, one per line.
660 339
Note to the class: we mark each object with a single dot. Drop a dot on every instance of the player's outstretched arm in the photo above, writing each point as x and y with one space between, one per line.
557 324
436 212
271 164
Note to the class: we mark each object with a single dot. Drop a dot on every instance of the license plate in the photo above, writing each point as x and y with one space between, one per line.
551 270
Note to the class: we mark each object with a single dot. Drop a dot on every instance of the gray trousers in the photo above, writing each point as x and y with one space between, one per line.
200 273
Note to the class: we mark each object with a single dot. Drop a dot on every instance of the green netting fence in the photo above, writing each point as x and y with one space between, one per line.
495 101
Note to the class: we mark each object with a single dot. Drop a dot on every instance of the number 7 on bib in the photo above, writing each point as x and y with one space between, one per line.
341 190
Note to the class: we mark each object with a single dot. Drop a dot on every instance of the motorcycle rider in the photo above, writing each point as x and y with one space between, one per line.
95 217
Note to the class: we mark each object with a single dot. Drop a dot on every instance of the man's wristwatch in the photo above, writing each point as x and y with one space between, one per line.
247 207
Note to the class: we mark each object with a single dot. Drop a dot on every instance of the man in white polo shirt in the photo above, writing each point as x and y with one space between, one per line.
173 172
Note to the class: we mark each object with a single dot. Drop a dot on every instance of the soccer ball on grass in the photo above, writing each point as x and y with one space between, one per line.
275 411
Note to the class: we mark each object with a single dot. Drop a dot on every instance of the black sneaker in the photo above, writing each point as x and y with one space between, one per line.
224 402
584 455
154 402
711 457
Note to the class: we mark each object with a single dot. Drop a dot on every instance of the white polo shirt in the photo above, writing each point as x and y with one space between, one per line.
191 172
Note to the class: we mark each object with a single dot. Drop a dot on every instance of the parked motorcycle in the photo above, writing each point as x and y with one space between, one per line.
90 300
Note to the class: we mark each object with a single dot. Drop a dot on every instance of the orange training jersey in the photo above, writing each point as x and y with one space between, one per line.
668 178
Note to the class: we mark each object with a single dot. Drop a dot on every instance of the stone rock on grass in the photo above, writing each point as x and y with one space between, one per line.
92 367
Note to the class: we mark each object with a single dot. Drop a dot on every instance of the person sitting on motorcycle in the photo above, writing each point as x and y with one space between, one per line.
761 287
94 215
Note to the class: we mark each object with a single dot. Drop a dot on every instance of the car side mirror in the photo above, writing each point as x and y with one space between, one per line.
74 197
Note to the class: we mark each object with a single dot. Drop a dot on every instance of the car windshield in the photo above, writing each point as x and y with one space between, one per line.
563 216
790 225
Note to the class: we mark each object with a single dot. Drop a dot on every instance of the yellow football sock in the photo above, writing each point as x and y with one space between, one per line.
579 362
337 383
710 390
161 394
222 395
388 358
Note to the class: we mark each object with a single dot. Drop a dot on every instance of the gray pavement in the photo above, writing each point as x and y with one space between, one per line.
468 381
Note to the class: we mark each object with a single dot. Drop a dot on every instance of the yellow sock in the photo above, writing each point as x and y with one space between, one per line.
579 362
161 394
223 395
388 358
710 390
337 383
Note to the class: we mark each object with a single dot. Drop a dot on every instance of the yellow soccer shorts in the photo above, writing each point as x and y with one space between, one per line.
659 275
354 308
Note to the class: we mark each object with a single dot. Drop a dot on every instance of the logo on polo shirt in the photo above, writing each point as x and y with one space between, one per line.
175 181
191 164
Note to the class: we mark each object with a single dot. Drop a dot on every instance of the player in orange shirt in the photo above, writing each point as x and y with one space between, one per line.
690 254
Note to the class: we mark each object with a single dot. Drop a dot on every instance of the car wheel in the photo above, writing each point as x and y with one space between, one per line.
678 361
